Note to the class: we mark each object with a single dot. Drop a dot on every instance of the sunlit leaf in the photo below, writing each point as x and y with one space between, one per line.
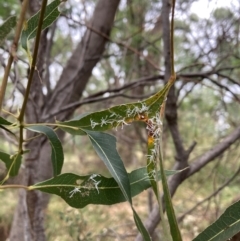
6 27
57 150
225 227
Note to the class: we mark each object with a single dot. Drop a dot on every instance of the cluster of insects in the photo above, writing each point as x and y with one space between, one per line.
117 120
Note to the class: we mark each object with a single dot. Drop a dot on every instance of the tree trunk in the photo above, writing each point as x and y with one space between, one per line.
28 223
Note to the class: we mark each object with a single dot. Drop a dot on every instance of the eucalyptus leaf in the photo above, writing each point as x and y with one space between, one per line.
5 122
105 146
12 162
57 150
151 166
225 227
140 226
79 191
30 29
6 27
174 228
118 116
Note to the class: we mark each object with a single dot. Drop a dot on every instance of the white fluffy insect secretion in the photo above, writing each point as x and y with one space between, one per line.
91 183
154 126
95 183
136 110
75 190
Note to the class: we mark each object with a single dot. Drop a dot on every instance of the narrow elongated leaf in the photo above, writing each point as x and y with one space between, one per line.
140 226
151 164
118 116
12 163
225 227
105 146
6 27
57 150
30 30
175 232
4 122
72 129
79 191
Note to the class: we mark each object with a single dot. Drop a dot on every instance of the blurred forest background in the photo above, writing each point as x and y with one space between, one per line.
202 126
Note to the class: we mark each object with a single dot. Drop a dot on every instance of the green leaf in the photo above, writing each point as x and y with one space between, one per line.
225 227
151 165
87 191
57 150
140 226
175 232
30 30
118 116
71 129
105 146
6 27
4 122
12 163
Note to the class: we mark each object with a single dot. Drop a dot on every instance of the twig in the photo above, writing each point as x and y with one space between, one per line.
34 60
13 186
30 78
118 43
13 52
180 219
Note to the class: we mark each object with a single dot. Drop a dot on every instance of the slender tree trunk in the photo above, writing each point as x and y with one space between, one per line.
28 223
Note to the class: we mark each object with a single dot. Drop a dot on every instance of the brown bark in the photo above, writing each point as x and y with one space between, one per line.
29 218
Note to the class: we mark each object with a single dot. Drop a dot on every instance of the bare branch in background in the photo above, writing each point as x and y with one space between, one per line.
225 184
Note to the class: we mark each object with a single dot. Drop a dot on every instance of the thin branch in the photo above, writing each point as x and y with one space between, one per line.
34 60
228 78
13 52
13 186
95 97
213 153
30 78
135 51
180 219
224 87
186 94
